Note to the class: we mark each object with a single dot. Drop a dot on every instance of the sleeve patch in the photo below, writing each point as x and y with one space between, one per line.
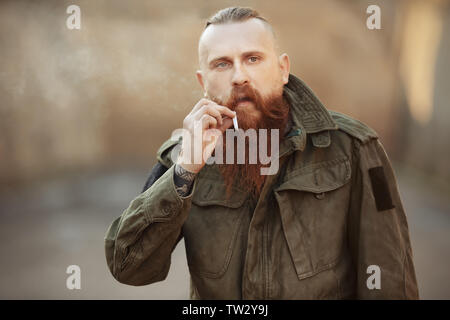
380 189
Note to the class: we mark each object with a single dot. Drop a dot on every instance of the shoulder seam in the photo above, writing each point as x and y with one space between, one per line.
353 127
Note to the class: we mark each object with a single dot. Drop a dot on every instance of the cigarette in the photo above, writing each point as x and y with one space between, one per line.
235 124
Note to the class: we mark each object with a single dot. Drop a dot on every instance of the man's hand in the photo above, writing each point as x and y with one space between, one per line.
203 126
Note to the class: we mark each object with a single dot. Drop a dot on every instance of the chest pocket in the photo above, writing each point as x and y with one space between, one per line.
212 227
313 203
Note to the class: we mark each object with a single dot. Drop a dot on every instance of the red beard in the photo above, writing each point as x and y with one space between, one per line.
274 112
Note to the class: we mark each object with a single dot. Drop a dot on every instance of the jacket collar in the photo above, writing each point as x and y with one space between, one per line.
308 115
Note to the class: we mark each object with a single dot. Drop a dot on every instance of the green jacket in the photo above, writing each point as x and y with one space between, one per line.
332 210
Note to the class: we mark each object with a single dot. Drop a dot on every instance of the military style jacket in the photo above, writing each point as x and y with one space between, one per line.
329 225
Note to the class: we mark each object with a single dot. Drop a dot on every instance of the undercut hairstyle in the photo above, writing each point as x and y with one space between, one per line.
235 14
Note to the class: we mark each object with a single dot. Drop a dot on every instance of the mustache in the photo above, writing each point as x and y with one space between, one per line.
273 108
239 94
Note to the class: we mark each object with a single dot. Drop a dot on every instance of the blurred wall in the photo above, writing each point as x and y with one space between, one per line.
425 70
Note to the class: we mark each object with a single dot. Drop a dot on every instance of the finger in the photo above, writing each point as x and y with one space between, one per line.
208 121
212 110
211 135
222 109
227 123
200 104
225 111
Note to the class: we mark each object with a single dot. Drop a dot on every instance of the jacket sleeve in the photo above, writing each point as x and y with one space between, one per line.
139 243
157 171
377 228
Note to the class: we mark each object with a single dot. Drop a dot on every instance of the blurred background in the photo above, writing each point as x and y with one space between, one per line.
82 113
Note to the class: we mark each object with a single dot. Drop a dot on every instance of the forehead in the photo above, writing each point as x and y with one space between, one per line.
235 37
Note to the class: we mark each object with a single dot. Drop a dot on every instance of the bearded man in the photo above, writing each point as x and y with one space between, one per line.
329 224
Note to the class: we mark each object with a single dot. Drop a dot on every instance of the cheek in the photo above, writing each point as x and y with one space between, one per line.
275 78
269 81
270 87
218 87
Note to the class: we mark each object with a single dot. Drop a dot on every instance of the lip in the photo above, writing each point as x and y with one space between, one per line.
244 103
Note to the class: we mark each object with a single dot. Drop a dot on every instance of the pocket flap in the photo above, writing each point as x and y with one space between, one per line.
318 177
212 192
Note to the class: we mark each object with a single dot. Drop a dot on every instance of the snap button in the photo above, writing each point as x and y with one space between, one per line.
319 196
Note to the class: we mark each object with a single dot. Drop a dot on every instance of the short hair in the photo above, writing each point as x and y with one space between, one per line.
238 14
234 14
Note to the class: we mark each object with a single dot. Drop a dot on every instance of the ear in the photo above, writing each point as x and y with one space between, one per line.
285 66
200 78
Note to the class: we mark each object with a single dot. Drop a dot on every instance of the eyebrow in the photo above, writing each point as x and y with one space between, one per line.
245 54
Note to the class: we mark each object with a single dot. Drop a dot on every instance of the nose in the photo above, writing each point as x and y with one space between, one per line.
240 76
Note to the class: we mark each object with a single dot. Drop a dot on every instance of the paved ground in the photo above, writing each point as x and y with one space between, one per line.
50 226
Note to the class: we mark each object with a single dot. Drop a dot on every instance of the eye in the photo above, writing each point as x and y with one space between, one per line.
222 65
253 59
